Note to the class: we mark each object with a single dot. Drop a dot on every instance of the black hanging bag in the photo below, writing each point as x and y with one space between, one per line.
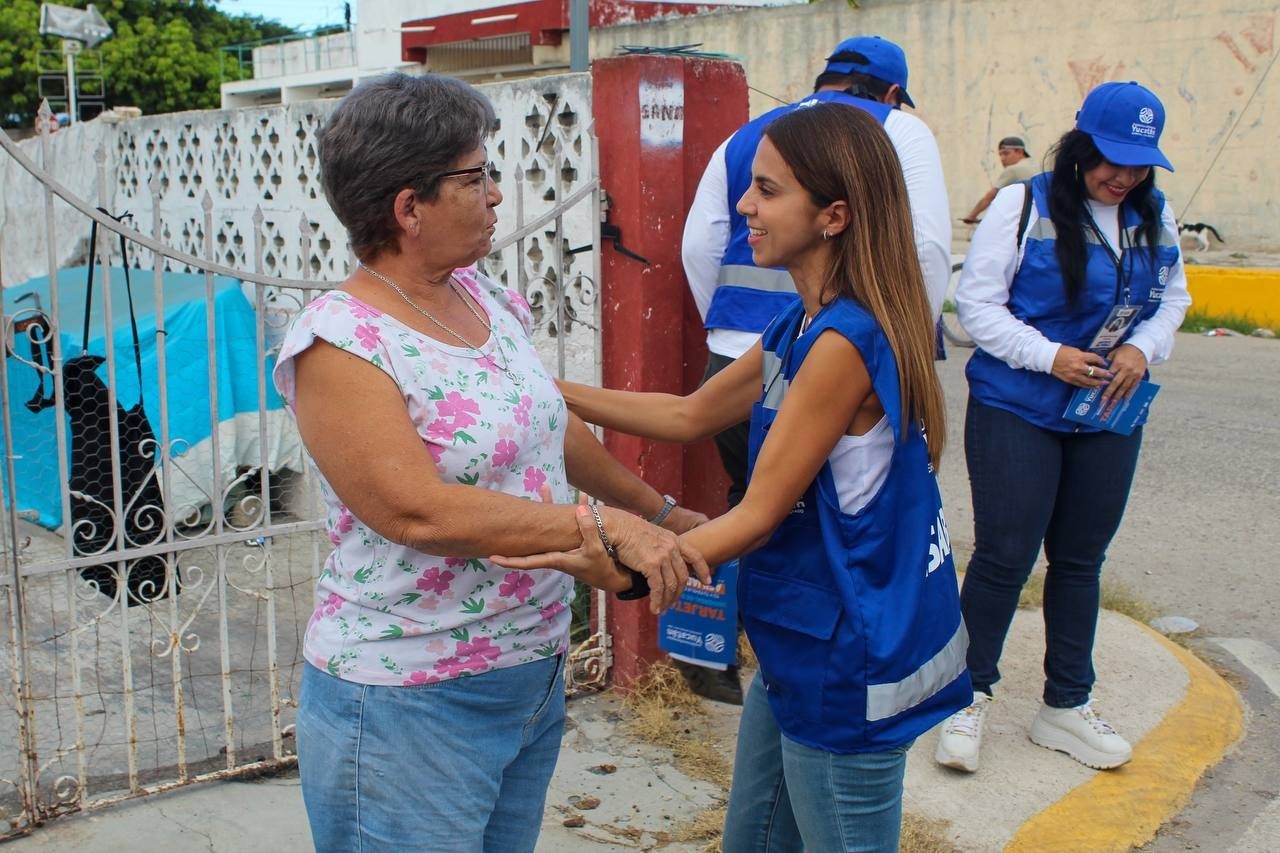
93 530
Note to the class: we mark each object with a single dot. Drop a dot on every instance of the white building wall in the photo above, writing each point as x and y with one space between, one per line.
984 69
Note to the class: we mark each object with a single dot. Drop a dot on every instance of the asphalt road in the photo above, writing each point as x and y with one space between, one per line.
1200 539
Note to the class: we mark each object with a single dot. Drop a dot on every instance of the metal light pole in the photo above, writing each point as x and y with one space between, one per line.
579 26
71 47
78 28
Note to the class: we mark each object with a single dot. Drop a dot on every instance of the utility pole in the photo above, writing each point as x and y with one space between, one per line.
70 47
78 29
579 27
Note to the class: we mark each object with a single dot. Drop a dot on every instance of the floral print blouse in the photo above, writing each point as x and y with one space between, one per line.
387 614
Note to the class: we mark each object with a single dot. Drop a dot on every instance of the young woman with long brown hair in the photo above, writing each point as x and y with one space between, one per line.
846 586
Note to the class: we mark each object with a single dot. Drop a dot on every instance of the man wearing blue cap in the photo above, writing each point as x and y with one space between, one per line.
737 300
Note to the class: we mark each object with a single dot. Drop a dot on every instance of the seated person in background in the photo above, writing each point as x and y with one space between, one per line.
1018 166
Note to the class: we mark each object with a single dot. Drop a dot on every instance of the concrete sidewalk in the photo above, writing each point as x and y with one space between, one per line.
1179 714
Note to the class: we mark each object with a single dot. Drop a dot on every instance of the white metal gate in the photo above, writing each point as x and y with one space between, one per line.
154 619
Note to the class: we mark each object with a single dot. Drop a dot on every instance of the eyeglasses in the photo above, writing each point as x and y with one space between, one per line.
486 169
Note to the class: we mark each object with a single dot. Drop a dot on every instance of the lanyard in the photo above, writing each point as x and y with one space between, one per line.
1124 272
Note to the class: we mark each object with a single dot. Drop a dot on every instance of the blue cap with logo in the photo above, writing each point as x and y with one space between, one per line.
873 56
1125 121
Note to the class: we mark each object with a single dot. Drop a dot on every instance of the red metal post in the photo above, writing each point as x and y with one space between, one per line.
657 119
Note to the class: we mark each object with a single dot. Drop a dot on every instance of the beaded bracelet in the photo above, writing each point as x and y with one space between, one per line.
668 504
604 537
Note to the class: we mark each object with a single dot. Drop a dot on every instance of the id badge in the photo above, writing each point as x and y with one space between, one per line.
1114 328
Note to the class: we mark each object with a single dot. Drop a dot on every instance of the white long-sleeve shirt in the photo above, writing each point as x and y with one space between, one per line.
706 231
982 295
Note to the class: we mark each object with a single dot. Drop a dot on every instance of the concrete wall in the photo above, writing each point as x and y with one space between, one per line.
983 69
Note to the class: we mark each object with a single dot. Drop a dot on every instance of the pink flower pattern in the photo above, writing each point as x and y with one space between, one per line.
516 585
346 521
472 657
440 430
504 452
386 614
363 311
367 335
459 408
533 479
434 580
420 677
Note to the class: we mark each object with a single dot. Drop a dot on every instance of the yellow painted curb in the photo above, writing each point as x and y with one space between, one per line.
1121 809
1248 293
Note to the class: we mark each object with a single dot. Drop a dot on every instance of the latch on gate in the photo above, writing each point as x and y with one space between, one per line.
613 233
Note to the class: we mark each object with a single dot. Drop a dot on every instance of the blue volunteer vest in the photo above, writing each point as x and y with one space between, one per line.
855 618
1036 298
747 297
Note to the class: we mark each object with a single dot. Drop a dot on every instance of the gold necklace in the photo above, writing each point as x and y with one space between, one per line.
505 366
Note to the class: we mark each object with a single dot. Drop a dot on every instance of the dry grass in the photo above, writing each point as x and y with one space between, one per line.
922 835
662 684
746 655
707 825
1032 592
1115 596
1120 598
919 835
664 712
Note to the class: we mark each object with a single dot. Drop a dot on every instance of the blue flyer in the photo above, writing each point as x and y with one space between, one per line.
1122 417
703 623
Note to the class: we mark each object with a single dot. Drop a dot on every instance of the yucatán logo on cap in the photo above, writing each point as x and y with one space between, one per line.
1147 117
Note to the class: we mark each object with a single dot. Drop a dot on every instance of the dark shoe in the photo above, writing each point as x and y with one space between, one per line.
718 685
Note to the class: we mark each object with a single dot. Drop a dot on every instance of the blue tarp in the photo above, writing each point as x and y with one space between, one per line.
187 367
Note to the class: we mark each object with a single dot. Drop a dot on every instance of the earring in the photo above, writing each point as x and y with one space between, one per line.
826 235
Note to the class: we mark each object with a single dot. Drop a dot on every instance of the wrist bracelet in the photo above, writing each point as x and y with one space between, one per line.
668 504
604 537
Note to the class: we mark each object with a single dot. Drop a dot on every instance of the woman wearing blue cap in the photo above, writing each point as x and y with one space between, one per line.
1073 280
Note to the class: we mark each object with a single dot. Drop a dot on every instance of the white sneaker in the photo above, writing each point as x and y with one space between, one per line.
961 737
1082 734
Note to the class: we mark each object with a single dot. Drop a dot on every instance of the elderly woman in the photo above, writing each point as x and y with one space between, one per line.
432 703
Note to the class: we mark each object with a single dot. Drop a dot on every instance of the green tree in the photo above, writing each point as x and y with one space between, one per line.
164 56
20 45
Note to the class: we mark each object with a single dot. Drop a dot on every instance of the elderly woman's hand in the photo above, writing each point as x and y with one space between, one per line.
589 563
1080 368
655 553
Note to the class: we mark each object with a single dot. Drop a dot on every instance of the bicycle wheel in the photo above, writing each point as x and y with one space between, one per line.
951 328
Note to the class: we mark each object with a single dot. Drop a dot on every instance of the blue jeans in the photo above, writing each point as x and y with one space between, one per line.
459 765
791 797
1031 485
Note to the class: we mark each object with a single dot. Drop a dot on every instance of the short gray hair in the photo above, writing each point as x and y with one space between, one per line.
391 133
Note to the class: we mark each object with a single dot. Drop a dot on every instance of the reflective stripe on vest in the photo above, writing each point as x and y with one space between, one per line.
887 700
